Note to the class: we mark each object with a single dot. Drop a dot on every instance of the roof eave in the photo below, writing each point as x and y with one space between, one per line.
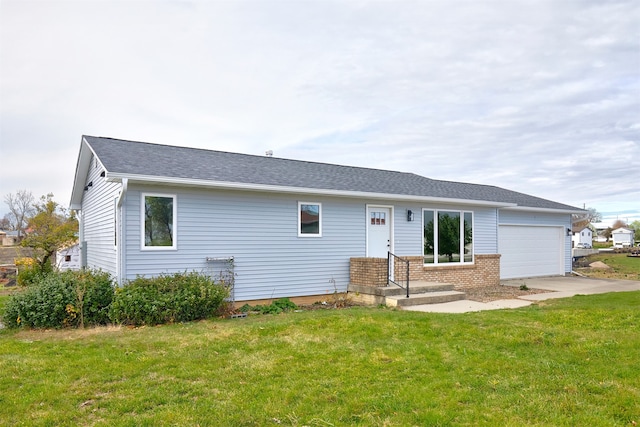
148 179
82 167
545 210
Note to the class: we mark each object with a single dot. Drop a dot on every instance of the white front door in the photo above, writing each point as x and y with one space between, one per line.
378 231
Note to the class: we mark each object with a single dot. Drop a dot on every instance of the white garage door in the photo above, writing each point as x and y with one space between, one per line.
529 251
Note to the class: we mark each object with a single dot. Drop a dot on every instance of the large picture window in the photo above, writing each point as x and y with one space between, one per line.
447 236
159 219
309 219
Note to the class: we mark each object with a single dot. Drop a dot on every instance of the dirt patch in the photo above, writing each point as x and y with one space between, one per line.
497 292
598 264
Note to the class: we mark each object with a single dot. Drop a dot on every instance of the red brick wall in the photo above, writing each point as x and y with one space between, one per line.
368 271
485 271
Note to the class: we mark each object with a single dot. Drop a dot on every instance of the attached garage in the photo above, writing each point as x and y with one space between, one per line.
531 251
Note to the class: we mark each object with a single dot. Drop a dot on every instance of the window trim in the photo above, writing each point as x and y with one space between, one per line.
300 233
462 213
143 246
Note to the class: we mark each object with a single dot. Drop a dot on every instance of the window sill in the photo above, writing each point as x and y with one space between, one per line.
450 266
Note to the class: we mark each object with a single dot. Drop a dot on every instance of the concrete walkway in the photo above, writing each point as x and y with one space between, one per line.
561 287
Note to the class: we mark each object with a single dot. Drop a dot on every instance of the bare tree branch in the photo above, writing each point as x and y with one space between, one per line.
21 207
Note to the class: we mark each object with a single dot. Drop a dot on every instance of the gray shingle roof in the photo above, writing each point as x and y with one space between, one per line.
145 159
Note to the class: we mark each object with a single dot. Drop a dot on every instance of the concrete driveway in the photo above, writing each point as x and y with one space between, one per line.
561 287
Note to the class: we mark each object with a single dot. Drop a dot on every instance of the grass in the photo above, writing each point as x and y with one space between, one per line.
563 362
622 267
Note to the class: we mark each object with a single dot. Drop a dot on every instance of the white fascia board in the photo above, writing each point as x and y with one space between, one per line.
82 169
146 179
544 210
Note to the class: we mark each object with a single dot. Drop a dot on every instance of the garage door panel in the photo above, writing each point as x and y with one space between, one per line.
530 251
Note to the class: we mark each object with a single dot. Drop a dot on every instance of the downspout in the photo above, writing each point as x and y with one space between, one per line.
120 256
83 251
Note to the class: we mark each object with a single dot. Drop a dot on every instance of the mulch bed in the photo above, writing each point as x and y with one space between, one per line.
496 292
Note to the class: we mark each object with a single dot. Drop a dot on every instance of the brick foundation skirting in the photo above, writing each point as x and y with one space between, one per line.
485 271
368 271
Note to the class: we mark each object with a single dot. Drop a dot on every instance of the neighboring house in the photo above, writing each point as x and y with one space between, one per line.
622 237
291 228
69 258
601 233
582 236
9 238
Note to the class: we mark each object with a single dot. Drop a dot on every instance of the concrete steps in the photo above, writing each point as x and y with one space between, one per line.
394 296
424 298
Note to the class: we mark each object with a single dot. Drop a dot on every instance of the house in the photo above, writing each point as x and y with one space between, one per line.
622 237
9 238
582 236
288 228
68 258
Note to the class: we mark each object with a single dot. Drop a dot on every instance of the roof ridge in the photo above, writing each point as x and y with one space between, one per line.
257 156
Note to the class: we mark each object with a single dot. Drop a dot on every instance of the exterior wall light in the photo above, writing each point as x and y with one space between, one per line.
409 215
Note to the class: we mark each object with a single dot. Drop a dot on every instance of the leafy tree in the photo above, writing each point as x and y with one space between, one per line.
21 207
49 229
635 225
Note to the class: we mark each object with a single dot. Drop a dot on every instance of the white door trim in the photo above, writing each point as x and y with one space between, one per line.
366 223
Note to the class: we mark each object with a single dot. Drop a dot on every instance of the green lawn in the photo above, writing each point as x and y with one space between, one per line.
622 267
563 362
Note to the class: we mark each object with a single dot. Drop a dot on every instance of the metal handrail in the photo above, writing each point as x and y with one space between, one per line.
391 273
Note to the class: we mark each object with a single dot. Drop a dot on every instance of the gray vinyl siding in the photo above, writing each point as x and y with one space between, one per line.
98 221
260 231
408 235
511 217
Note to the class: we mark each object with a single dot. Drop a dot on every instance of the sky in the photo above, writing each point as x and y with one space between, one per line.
540 97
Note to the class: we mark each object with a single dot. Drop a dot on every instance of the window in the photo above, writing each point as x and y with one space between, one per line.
378 218
159 220
309 219
447 237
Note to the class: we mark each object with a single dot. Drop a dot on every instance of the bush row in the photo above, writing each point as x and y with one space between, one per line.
55 300
82 298
180 297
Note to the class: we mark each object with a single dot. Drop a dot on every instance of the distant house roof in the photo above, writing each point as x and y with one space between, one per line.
623 230
145 162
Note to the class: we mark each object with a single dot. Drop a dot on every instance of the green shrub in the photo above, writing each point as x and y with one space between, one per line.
169 298
57 300
30 272
276 307
94 293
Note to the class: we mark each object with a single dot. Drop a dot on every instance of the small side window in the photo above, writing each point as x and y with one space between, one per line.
309 219
159 221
